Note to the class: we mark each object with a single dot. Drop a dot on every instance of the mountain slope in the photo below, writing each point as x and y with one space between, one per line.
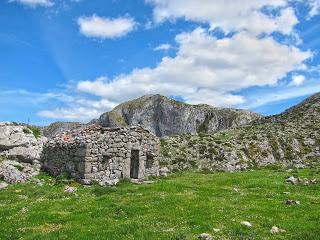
288 139
167 117
59 127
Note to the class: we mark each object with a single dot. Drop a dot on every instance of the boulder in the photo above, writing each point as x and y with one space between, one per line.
3 185
17 142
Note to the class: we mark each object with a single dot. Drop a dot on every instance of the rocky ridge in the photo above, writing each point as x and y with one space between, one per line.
166 117
288 139
57 128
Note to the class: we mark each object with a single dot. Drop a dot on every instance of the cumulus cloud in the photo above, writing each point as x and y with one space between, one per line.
100 27
229 15
34 3
206 70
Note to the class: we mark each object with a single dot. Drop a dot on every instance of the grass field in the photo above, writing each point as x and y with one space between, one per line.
181 206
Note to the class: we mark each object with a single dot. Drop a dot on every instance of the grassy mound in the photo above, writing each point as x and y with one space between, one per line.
181 206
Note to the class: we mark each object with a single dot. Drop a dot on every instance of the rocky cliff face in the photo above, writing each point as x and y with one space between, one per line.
288 139
167 117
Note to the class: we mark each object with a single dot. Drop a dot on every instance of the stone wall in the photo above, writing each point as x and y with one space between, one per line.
102 154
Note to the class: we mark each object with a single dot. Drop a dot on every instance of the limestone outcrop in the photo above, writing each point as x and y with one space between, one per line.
167 117
18 142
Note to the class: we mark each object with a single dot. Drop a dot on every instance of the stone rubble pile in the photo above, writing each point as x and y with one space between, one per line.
17 172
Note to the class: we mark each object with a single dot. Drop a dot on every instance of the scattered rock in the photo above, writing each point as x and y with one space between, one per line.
163 172
69 189
236 189
304 181
292 202
111 182
205 236
275 230
247 224
287 193
15 172
313 181
216 230
292 180
3 185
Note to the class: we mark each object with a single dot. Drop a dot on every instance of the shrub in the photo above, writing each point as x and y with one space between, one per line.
34 130
27 131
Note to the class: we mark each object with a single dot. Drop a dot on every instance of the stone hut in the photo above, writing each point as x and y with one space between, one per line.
104 155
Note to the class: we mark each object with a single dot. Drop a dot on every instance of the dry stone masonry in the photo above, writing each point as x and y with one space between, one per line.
103 155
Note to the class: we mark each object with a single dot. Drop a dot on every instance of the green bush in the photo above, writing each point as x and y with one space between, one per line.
27 131
34 130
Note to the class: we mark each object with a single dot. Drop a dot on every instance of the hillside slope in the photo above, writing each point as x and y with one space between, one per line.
166 117
59 127
291 139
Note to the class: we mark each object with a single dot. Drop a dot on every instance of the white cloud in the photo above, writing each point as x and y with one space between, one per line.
281 95
297 80
206 70
100 27
229 15
79 109
163 47
34 3
314 8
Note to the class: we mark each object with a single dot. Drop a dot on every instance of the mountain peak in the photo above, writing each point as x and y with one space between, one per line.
165 116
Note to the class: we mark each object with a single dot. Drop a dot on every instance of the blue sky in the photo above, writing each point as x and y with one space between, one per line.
72 60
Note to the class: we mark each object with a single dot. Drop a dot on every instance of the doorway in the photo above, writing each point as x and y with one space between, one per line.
134 166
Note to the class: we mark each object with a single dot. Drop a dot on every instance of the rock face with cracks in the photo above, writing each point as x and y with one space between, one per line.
17 142
167 117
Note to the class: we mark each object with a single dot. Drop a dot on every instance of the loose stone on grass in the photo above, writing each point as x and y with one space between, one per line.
246 223
205 236
3 185
275 230
69 189
292 202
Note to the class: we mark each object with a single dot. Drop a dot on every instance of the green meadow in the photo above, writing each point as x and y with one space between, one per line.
181 206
